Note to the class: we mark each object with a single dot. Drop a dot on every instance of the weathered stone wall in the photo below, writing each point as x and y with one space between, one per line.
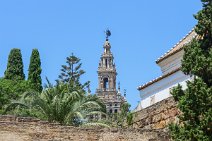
26 129
149 125
157 116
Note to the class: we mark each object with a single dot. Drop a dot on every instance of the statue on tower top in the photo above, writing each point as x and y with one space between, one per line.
108 34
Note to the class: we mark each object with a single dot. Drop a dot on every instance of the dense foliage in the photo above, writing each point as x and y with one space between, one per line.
122 118
195 102
34 75
14 69
66 102
60 103
11 90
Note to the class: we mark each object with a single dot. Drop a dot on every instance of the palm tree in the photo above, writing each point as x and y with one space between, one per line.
60 103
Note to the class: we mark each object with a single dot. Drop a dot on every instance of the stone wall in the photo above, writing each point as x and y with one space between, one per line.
148 125
26 129
157 116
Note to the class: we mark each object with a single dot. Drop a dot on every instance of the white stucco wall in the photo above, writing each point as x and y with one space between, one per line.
171 63
161 90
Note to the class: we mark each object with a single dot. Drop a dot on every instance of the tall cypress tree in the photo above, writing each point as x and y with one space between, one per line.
14 69
195 103
34 75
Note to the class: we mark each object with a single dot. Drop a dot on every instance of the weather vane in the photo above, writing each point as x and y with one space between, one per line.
108 34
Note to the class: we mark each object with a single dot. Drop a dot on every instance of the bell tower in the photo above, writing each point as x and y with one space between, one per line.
106 90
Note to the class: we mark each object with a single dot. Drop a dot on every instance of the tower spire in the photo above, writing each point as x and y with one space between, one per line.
125 92
107 43
119 87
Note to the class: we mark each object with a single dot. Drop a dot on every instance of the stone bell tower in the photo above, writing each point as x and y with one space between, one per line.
107 80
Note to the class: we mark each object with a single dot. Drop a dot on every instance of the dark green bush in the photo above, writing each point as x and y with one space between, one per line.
11 90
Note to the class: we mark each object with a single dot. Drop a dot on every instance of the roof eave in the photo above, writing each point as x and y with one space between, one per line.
157 79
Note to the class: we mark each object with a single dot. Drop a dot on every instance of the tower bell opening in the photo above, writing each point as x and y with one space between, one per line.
106 85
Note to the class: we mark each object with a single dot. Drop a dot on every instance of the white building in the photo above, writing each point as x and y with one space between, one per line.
170 63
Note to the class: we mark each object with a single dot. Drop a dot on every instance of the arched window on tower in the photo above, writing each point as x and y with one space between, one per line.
106 63
105 83
111 111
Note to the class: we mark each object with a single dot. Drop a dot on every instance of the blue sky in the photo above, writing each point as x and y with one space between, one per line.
142 31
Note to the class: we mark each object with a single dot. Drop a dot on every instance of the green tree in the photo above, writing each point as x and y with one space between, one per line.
195 102
11 90
120 118
60 104
34 75
72 72
3 99
14 69
129 119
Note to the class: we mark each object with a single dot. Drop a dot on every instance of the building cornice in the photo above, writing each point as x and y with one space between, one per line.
157 79
179 46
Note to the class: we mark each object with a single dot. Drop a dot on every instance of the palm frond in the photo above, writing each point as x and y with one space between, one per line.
95 124
14 105
96 113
